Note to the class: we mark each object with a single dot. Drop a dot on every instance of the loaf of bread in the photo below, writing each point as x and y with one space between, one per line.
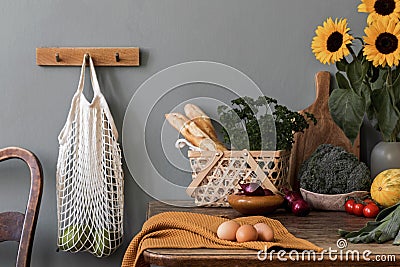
192 132
199 117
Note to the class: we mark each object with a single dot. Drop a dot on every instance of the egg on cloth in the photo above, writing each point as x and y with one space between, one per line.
246 233
227 230
265 233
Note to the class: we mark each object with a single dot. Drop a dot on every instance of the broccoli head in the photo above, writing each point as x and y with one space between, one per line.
332 170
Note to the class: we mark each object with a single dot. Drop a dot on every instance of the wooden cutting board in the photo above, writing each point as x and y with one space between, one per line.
325 132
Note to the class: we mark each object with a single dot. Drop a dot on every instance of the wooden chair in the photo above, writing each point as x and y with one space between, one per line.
16 226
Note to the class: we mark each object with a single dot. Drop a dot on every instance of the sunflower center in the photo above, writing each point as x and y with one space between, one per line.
386 43
384 7
334 42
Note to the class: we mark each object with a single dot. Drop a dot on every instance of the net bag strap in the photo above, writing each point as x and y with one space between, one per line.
98 101
93 78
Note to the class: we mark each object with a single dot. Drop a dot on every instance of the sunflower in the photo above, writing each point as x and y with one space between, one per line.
382 42
378 9
329 44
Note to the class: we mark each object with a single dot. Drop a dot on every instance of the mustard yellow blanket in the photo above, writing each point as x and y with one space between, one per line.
192 230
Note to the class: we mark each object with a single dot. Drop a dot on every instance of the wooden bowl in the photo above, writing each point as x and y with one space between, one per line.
255 205
329 202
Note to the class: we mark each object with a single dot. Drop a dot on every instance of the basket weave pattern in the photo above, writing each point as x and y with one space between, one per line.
232 168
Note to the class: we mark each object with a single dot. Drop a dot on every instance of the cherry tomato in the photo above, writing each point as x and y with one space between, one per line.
348 206
358 209
368 200
371 210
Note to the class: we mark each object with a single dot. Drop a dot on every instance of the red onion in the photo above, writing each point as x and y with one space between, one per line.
294 202
252 189
290 197
300 207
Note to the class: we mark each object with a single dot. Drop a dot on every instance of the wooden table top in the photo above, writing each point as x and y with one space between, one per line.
319 227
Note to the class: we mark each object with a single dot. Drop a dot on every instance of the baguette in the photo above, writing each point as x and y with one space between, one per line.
197 115
192 132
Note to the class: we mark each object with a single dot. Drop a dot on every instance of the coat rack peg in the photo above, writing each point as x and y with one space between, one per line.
72 56
87 56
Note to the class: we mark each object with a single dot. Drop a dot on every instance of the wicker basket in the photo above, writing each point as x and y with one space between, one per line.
217 174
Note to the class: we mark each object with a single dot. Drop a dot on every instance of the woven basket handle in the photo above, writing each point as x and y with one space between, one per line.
201 175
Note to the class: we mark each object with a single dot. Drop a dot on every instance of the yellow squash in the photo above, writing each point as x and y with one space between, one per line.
385 188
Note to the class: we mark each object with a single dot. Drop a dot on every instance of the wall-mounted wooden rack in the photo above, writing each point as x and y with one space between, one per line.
101 56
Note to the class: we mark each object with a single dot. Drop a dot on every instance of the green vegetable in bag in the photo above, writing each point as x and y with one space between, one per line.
73 237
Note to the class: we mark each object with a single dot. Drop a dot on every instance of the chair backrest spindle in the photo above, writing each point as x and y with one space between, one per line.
15 226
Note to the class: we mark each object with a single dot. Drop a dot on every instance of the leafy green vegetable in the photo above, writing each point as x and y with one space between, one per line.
245 128
332 170
385 227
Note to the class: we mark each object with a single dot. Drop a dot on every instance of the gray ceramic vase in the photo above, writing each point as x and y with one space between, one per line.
385 155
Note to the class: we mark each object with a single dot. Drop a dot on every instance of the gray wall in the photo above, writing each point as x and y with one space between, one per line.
267 40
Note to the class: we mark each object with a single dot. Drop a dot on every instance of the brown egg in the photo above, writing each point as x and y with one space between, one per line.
227 230
265 233
246 233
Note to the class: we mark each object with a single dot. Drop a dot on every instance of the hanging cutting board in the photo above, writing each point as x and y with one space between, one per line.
325 132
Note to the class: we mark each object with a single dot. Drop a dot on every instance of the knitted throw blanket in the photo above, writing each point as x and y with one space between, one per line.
192 230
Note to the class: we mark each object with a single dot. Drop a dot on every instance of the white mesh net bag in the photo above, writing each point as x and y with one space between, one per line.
89 176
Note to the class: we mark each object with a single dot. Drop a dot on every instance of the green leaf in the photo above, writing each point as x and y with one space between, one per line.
397 239
385 213
356 73
342 81
369 108
381 80
396 88
343 233
384 76
347 110
360 55
369 227
390 230
386 115
395 73
342 65
375 74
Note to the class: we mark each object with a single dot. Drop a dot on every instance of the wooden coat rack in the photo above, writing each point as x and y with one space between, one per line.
101 56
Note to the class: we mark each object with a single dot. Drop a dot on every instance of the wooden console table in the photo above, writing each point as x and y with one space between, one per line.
318 227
